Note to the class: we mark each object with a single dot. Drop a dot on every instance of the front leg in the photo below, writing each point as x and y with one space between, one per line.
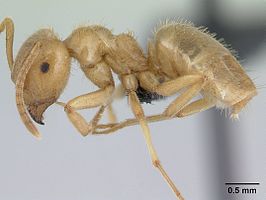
79 122
100 75
91 100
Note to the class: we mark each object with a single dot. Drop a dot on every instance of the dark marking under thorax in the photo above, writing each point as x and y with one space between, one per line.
147 96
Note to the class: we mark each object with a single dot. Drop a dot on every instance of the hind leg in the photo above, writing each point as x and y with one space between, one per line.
192 83
195 107
181 101
236 108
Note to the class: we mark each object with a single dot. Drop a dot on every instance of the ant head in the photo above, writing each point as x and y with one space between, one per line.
46 76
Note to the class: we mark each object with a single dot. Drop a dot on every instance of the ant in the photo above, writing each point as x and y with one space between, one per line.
180 56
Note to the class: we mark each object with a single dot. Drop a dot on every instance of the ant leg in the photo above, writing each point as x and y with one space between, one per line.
79 122
111 114
101 97
149 82
193 83
112 127
238 107
139 114
183 99
196 107
204 104
93 99
119 93
9 26
90 100
192 108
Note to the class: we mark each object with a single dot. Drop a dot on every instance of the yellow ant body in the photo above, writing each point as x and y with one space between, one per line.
180 56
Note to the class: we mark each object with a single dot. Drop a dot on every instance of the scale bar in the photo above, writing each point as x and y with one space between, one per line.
242 183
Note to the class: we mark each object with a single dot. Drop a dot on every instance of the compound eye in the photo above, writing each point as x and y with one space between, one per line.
45 67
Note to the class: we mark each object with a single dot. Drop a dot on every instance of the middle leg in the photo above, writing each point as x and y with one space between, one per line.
130 83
